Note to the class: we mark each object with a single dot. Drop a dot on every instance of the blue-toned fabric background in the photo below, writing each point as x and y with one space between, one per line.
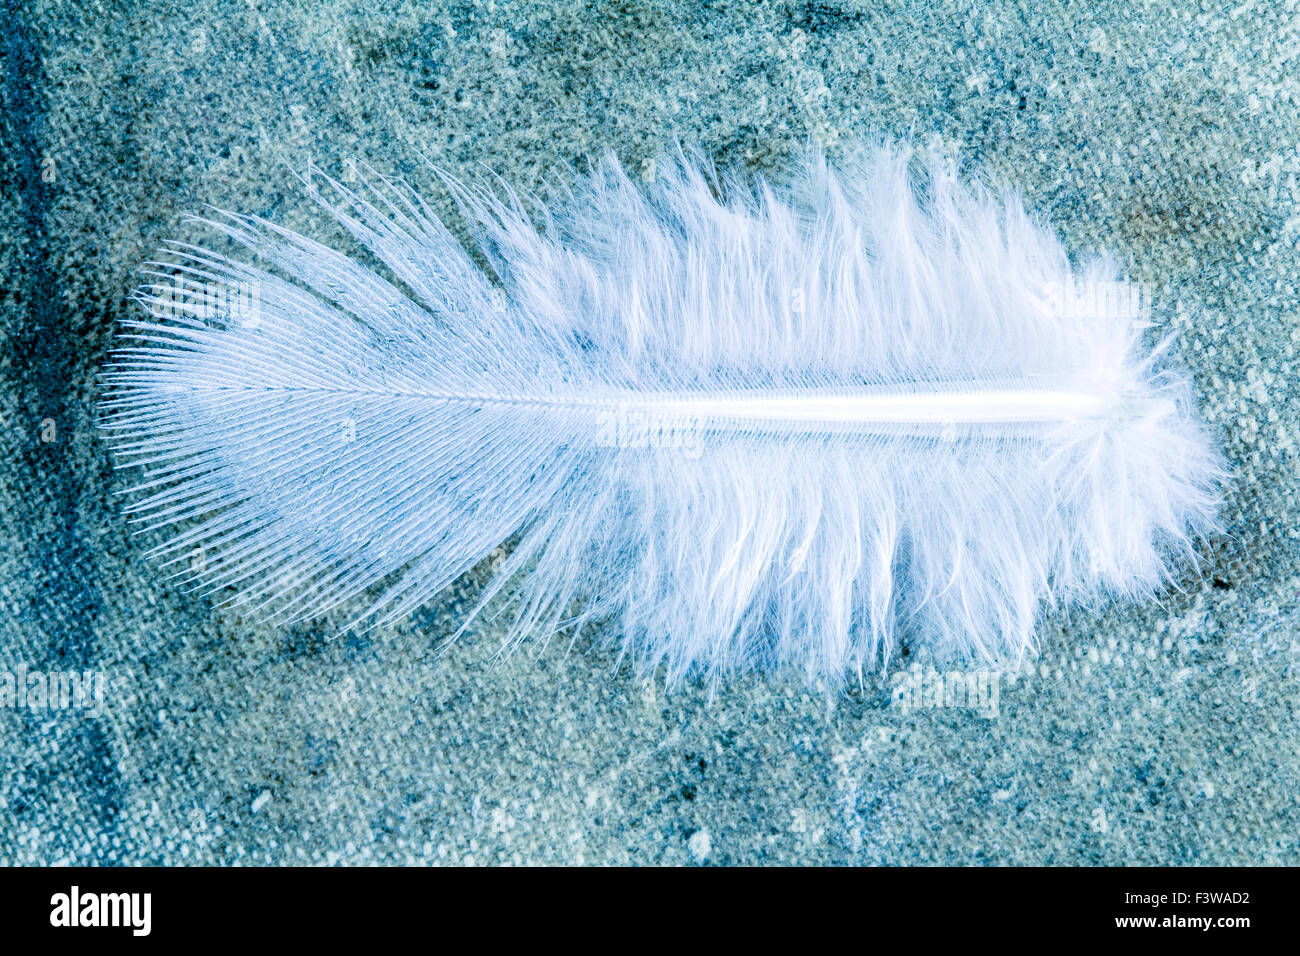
1158 734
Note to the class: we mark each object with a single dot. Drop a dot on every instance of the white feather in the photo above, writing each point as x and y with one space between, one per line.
741 425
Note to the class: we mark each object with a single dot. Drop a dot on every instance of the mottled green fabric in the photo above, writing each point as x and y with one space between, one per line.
1157 734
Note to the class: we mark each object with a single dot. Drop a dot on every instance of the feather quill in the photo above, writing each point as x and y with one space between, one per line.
742 425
